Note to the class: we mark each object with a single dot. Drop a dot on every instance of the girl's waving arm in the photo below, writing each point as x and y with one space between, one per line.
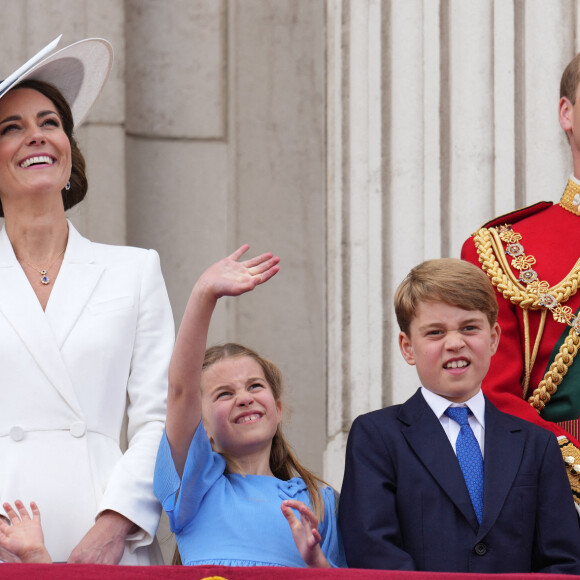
228 277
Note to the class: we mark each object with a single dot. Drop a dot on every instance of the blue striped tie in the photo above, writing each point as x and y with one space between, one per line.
469 457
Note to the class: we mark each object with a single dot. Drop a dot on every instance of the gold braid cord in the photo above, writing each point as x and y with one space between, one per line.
571 456
529 296
508 286
532 295
552 379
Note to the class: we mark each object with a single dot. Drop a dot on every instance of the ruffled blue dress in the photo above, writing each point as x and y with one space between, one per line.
235 520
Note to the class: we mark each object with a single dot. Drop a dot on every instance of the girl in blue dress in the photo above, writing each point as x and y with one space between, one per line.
234 492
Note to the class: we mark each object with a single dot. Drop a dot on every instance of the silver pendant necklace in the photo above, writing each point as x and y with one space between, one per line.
44 279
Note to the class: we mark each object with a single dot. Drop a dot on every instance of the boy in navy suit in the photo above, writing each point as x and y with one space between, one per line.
469 489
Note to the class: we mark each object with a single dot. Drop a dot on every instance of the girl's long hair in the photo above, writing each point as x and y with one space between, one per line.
283 462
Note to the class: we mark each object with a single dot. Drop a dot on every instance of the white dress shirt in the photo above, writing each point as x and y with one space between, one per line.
476 405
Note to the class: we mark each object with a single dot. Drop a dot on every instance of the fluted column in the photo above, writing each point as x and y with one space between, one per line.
355 206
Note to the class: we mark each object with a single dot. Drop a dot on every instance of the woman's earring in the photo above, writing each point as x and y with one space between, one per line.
67 186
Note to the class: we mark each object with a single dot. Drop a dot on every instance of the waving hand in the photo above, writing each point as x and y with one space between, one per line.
228 277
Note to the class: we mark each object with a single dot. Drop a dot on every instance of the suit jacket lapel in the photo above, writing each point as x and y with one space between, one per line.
504 444
21 308
76 281
427 438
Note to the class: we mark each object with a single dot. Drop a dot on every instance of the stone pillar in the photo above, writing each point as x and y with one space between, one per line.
467 134
276 171
176 136
355 207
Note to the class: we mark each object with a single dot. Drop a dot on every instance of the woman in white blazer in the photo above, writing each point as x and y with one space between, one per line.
86 331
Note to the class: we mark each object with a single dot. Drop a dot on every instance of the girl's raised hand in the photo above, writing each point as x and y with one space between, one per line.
305 533
24 537
230 277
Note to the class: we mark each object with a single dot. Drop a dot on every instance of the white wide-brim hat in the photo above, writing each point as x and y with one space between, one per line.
79 71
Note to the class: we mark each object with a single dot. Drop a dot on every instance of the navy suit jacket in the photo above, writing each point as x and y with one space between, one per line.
405 506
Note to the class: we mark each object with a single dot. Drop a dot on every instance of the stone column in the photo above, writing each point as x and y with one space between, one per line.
176 136
276 173
355 207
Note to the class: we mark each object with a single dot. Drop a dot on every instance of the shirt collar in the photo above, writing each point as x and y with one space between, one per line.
439 404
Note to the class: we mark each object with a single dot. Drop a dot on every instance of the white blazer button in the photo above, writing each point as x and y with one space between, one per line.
78 429
17 433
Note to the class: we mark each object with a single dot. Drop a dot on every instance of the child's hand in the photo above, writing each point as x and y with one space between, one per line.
229 277
24 537
305 533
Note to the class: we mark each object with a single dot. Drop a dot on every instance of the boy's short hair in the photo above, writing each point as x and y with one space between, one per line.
455 282
570 79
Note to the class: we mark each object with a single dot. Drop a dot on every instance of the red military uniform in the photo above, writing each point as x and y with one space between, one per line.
532 258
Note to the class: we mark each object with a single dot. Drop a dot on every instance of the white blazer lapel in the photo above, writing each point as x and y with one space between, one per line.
76 281
21 308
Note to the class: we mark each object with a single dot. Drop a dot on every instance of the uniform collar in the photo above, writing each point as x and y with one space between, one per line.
570 200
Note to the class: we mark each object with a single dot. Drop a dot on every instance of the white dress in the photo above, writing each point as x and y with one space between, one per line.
67 375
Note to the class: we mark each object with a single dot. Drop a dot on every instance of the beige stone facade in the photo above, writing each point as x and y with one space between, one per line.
354 138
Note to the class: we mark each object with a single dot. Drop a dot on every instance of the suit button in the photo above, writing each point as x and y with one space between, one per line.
17 433
480 549
78 429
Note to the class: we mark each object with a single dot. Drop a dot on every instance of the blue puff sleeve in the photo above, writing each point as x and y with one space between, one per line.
203 467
